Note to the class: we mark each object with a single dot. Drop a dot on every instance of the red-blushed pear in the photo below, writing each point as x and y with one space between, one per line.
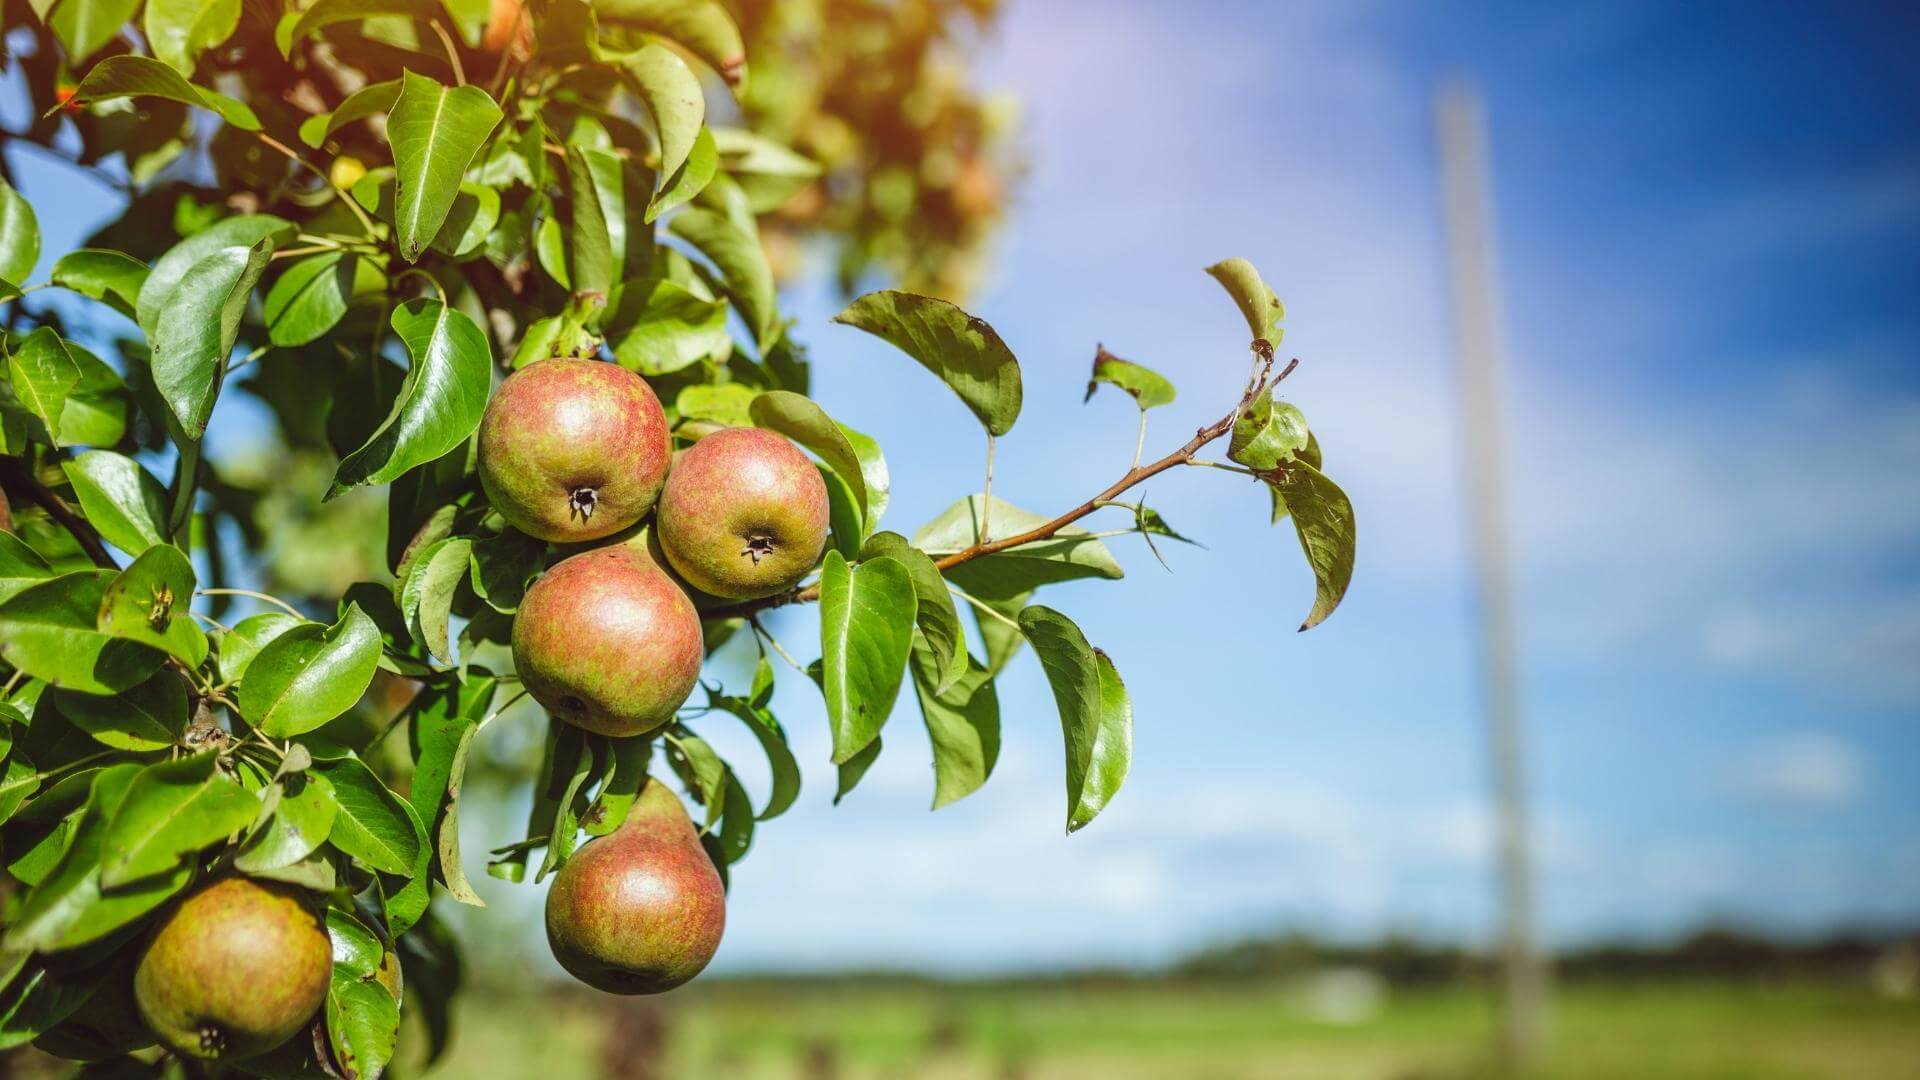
743 514
235 970
573 450
607 642
640 910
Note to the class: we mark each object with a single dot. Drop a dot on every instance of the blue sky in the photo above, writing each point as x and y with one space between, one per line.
1709 225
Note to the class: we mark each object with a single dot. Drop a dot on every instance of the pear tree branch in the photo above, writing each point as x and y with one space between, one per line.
1260 383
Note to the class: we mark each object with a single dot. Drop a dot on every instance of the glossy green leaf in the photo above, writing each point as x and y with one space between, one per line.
193 335
728 403
590 254
574 765
68 907
372 824
1323 519
617 795
503 567
703 164
426 599
767 172
658 327
798 418
873 470
150 716
19 236
148 603
121 499
18 779
84 27
172 809
851 771
302 819
324 13
939 623
960 348
1148 388
435 133
240 645
1095 712
963 723
244 231
742 264
357 951
474 212
178 31
310 298
112 277
1268 433
440 403
373 99
363 1020
671 92
49 631
866 630
1070 554
142 76
37 995
76 398
443 724
1262 310
752 710
20 566
310 674
701 26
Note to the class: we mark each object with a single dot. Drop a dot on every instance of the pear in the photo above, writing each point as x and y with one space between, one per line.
640 910
607 642
743 514
237 969
573 450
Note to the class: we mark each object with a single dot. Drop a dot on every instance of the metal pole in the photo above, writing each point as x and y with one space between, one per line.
1461 123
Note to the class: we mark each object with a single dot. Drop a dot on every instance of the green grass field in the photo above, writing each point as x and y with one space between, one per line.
812 1031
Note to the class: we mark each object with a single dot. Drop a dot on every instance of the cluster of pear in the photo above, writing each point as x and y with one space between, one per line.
609 638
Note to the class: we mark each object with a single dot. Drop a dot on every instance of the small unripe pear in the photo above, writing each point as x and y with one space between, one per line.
573 450
743 514
607 642
640 910
235 970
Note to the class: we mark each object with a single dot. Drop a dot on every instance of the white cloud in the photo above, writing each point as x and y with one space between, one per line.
1809 770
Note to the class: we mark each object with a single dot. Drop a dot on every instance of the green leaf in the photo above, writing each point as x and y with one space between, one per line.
703 164
1262 309
150 716
363 1020
324 13
142 76
17 781
372 824
112 277
68 907
301 820
373 99
798 418
934 611
38 996
357 951
658 327
963 350
866 630
873 470
76 397
172 809
310 674
752 710
852 770
310 298
444 723
156 292
1268 433
440 403
617 795
702 26
19 236
435 133
49 631
590 255
1095 711
1323 518
239 646
474 213
426 599
121 499
178 31
574 758
1070 554
767 172
671 92
148 603
727 403
963 722
503 567
1148 388
85 26
20 566
193 335
742 264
